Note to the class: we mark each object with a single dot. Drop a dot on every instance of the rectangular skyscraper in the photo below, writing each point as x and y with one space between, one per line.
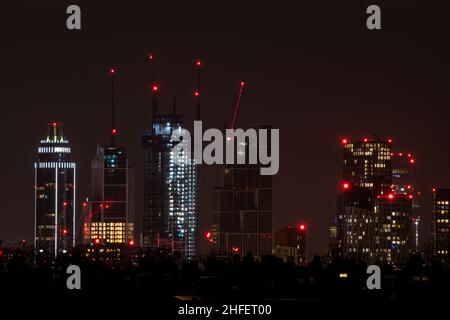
108 214
170 219
242 210
55 179
367 164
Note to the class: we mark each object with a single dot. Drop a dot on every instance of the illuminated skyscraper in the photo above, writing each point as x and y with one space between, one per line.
108 214
394 239
367 164
55 178
355 224
403 183
441 224
170 219
366 173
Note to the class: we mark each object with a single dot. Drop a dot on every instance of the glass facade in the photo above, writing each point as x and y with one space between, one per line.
170 219
55 178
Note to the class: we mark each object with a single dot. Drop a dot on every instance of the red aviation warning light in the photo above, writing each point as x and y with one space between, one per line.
198 63
112 71
208 236
114 131
390 196
131 243
434 189
345 185
302 227
390 140
155 88
150 57
344 141
196 93
412 161
235 249
97 241
65 231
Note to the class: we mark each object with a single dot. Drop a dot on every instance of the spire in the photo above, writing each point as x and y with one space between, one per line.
198 113
112 73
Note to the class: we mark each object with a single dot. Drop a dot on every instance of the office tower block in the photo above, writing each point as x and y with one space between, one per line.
394 239
170 218
367 164
242 209
55 197
108 214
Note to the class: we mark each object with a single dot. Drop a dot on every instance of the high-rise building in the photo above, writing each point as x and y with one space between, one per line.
366 173
355 224
55 179
441 224
403 183
242 210
108 215
290 244
394 240
367 164
170 218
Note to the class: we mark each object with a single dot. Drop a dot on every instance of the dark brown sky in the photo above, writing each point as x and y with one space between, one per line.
313 71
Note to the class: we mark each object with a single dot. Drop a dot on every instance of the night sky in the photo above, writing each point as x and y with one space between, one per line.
312 70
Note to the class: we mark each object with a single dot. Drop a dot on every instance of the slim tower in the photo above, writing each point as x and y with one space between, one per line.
55 178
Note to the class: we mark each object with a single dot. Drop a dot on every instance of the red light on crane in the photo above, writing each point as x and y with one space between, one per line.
198 63
155 88
196 93
302 227
412 161
112 71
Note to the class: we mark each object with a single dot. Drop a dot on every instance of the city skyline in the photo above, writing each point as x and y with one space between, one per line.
336 97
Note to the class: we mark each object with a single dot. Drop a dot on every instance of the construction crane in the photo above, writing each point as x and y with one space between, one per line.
237 105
